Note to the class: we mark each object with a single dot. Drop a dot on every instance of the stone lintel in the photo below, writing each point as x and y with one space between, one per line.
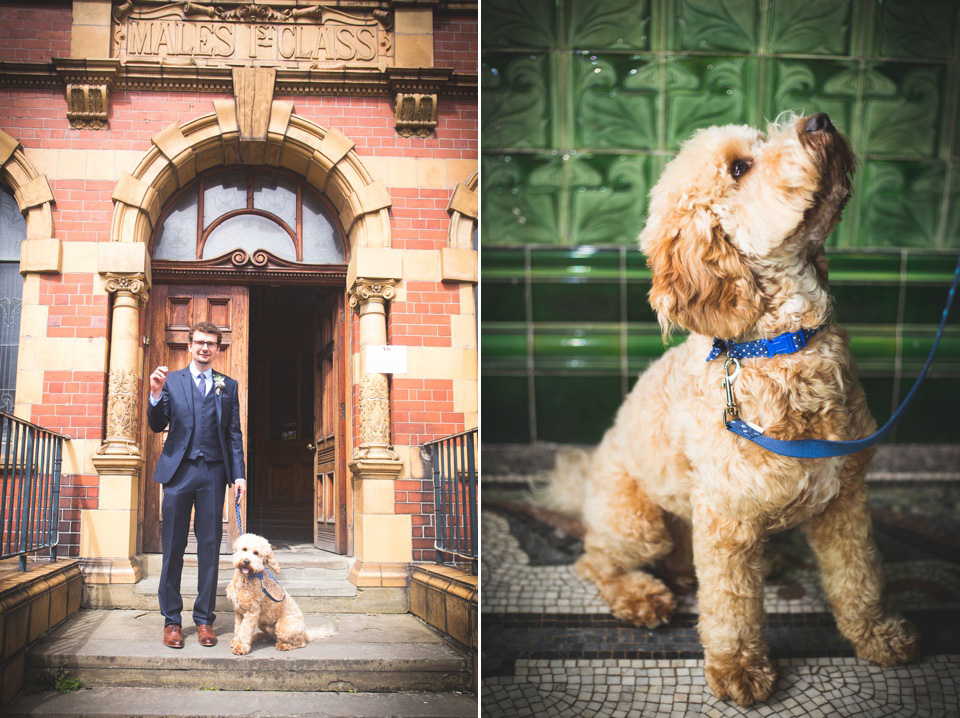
458 265
34 193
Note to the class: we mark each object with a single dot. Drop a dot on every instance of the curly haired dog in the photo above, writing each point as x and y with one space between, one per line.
735 240
253 609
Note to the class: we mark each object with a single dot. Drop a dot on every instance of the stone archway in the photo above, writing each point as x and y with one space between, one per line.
326 159
40 252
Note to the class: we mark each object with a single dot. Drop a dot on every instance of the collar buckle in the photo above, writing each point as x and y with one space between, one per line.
786 343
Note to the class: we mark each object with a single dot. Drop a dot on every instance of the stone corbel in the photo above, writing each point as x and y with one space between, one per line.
416 115
87 84
416 91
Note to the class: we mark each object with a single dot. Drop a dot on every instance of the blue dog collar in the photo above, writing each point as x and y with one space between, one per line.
787 343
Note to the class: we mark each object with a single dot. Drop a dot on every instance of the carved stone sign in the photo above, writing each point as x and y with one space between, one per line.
199 33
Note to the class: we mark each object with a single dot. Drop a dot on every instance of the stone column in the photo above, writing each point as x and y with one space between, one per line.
108 535
383 543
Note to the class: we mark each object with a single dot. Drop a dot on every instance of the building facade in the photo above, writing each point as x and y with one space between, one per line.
304 175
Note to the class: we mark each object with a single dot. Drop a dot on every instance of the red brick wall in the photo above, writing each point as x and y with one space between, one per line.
35 31
455 41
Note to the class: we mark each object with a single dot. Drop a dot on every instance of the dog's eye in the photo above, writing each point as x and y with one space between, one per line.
256 553
739 168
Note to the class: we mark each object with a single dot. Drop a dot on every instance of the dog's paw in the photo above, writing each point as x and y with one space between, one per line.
641 600
744 680
239 647
888 642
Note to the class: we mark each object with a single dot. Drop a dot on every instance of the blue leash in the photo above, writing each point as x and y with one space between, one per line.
822 448
260 574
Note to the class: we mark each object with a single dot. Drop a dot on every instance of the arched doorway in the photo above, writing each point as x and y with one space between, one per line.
258 252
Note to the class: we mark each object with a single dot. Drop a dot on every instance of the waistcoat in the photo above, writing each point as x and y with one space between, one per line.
205 440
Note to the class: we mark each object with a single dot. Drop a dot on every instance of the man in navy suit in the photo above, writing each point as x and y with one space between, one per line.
202 455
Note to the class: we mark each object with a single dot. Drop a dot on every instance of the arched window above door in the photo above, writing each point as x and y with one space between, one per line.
247 216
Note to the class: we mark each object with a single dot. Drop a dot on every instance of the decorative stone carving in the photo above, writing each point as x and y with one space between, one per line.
374 410
366 289
416 114
122 403
87 106
134 285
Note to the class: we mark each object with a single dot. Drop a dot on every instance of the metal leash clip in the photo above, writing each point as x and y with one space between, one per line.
731 412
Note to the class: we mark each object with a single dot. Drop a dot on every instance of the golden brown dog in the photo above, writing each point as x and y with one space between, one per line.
735 241
253 609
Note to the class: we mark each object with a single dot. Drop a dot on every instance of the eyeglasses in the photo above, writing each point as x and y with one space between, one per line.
205 345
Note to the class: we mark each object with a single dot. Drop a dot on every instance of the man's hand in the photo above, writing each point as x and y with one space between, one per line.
157 380
241 489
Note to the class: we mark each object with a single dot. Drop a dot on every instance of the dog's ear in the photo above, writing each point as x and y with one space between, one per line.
700 280
271 562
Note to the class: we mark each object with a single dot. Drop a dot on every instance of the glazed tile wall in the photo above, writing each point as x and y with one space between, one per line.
583 102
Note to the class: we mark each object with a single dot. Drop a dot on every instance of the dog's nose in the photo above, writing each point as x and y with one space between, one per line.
819 122
246 562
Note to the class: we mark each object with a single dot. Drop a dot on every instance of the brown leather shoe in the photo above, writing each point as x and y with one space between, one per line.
206 635
172 636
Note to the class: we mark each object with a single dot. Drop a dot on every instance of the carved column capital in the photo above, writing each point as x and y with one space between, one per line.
365 290
134 285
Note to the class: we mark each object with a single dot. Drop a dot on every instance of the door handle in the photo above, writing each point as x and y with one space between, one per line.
311 447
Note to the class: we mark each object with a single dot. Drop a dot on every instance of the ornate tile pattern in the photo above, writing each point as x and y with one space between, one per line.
551 648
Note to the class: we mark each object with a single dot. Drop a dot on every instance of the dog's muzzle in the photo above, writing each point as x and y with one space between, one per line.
245 567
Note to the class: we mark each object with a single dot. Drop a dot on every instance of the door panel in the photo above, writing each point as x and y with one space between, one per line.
283 422
171 311
330 476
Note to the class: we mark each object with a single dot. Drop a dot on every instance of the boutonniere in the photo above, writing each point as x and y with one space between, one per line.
218 382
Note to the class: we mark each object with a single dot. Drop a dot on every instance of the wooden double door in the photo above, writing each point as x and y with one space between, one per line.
284 346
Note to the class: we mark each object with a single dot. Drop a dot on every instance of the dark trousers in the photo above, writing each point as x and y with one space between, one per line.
200 486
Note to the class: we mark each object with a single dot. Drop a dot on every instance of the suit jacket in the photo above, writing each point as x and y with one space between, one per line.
176 409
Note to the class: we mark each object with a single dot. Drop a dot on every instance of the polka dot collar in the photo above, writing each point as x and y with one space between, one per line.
787 343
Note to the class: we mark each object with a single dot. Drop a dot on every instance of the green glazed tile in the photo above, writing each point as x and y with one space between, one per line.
931 267
901 203
879 391
916 28
637 269
576 348
576 409
616 103
917 344
608 25
874 348
638 305
527 24
516 110
503 301
903 109
504 403
812 27
866 303
705 91
502 263
724 25
951 234
582 264
873 266
503 347
593 302
608 198
932 416
520 199
811 86
924 305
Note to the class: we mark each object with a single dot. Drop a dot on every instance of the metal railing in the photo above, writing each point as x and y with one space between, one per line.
30 458
454 462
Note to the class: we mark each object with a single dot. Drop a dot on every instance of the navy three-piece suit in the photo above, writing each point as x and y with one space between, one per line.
202 455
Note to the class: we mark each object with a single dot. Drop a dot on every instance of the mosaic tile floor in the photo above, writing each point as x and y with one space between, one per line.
551 648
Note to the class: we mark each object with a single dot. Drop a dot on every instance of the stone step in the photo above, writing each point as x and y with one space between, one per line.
149 702
293 564
296 588
369 653
339 597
